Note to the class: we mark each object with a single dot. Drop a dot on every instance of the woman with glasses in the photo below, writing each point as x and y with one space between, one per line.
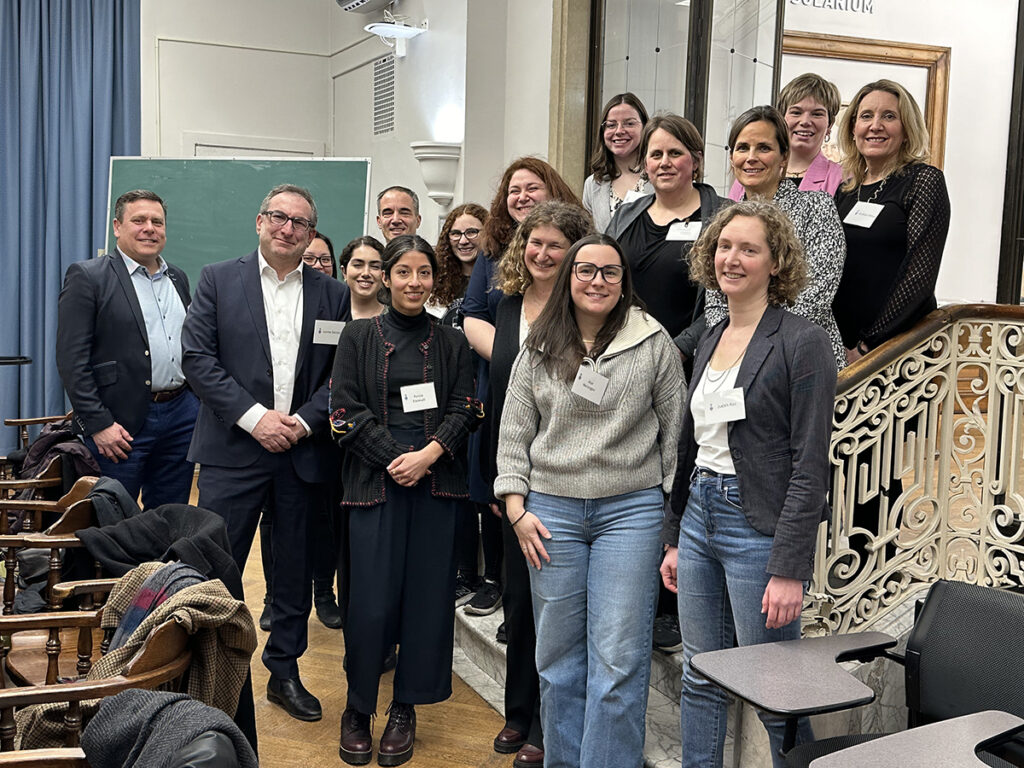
458 246
616 170
319 254
585 459
401 407
361 264
526 278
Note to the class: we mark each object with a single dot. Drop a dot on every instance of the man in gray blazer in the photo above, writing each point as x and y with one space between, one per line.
119 323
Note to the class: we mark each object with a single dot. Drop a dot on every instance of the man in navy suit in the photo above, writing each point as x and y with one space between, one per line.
119 323
258 346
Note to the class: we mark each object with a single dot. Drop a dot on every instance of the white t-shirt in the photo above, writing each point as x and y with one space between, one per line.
712 439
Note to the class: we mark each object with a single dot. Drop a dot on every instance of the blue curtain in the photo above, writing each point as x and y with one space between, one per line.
69 99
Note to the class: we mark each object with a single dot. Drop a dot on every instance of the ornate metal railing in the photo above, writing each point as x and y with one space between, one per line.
925 451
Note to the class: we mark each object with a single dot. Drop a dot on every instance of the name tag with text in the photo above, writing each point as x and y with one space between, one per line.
684 230
726 405
590 385
418 397
863 214
327 331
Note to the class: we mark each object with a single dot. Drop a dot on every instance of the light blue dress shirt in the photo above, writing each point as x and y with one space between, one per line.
163 312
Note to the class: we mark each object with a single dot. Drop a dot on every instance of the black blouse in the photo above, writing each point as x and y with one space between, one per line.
405 366
888 281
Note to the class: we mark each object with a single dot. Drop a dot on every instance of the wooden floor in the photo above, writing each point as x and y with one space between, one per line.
457 733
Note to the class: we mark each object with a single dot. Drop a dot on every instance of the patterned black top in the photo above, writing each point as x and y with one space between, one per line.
889 280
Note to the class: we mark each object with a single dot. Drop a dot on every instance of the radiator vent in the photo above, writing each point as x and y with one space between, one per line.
384 95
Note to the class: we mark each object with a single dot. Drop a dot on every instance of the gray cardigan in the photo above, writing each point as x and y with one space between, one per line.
780 450
556 442
597 200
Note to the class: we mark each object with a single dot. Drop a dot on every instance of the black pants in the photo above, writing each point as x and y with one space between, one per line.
472 518
239 494
522 686
402 578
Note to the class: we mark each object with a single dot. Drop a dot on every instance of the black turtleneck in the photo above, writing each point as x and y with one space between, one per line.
405 365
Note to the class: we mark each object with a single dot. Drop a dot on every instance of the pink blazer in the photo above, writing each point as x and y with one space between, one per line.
822 175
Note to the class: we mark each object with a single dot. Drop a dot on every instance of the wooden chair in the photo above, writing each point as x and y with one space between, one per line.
45 485
71 757
58 645
77 514
22 425
163 659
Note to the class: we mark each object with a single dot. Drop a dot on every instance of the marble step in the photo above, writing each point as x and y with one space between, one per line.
480 662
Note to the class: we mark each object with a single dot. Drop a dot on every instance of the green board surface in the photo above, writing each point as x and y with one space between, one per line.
212 202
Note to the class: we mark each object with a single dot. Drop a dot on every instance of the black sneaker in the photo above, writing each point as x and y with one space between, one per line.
666 634
486 600
500 635
463 590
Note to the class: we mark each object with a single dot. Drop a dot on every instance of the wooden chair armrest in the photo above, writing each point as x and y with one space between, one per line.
68 589
62 757
30 505
13 623
48 541
19 485
36 420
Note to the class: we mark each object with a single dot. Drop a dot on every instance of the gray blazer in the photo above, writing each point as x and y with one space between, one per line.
780 450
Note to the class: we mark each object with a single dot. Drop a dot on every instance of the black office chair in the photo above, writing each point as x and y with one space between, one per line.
963 656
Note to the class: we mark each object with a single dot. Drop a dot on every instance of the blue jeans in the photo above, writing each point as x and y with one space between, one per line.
594 609
158 462
722 578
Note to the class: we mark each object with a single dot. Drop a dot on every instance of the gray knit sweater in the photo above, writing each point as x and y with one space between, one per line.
555 442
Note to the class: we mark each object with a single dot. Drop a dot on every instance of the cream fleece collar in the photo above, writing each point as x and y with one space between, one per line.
639 326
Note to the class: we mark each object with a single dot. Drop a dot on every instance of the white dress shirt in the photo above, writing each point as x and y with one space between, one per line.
282 306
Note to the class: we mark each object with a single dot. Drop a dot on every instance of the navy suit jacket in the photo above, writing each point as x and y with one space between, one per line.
226 358
102 344
780 450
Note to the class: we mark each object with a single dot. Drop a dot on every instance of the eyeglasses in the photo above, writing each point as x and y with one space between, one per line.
585 272
300 226
471 234
612 125
324 260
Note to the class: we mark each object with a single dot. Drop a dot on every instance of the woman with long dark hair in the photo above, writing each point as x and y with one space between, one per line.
616 168
586 455
401 407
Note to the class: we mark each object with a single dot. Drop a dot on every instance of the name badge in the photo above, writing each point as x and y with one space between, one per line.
684 230
632 195
418 397
863 214
327 331
590 385
726 405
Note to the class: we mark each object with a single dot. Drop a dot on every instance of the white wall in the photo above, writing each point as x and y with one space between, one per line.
238 68
980 35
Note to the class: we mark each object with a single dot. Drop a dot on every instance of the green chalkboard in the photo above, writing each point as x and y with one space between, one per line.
212 202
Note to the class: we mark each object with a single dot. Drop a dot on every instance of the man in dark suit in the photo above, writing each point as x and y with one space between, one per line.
119 323
258 348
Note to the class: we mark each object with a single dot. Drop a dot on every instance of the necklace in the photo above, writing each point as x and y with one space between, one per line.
719 379
876 192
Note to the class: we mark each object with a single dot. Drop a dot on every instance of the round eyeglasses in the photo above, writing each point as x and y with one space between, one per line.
585 271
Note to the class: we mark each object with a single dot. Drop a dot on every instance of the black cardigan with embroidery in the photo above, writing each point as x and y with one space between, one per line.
359 410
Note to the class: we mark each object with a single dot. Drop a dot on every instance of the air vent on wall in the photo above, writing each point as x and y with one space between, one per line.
384 95
364 6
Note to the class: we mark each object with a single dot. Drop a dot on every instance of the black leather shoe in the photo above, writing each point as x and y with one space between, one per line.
266 616
327 611
294 698
508 740
356 737
399 735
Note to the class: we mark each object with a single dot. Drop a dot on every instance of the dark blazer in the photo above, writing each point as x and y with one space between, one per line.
780 450
102 345
226 358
